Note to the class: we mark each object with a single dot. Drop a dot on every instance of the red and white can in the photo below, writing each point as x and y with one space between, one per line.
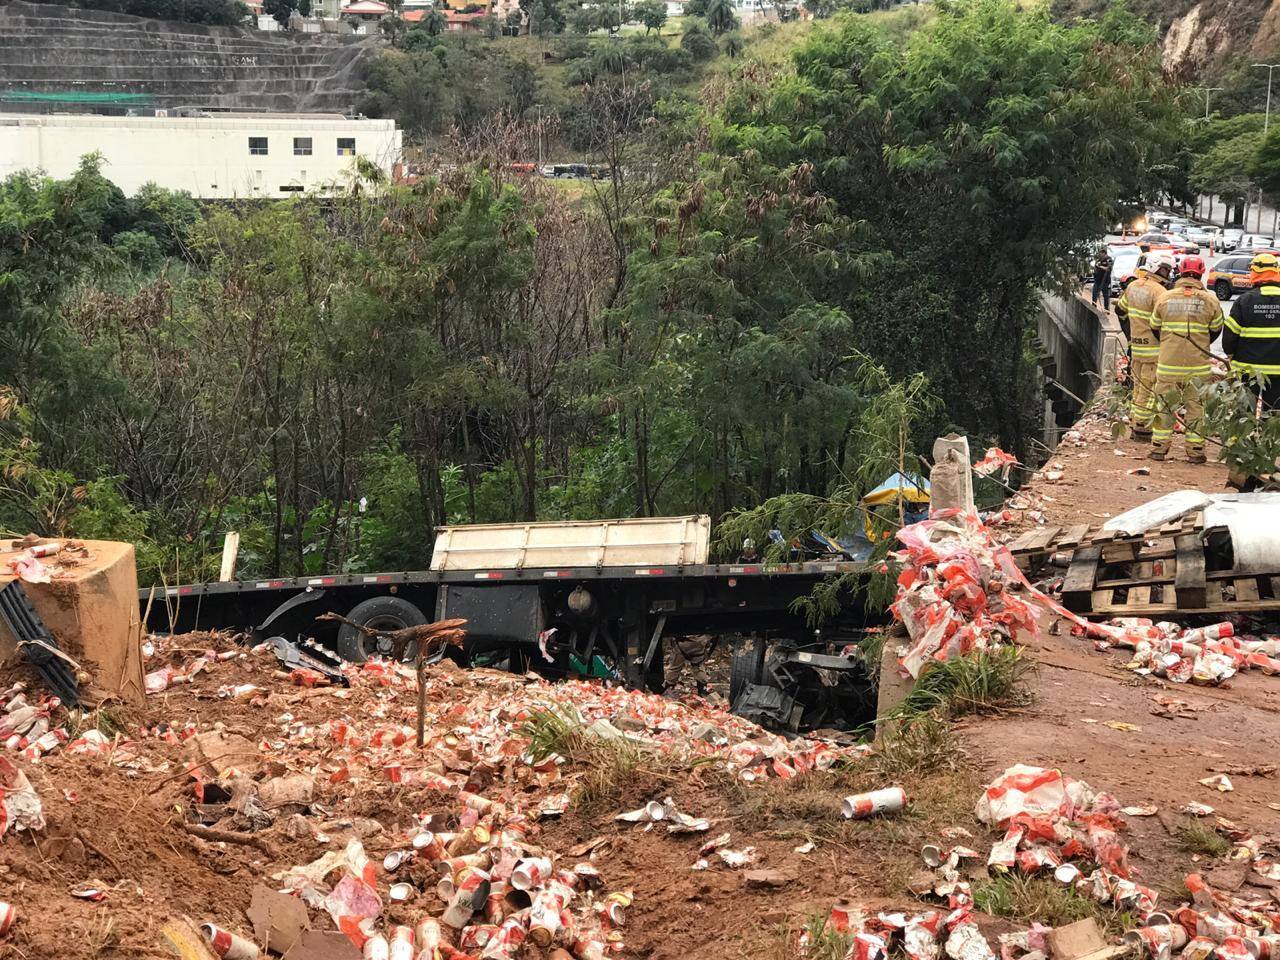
429 845
1215 631
863 805
376 948
429 937
401 943
1198 948
530 872
394 772
504 944
470 893
8 913
227 945
1159 942
868 946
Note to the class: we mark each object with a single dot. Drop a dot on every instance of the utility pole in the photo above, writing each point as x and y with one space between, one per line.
1266 124
1208 91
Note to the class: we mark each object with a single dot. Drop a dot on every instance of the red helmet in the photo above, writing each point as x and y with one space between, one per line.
1192 265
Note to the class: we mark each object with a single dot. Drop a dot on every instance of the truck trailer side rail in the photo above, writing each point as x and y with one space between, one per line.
813 569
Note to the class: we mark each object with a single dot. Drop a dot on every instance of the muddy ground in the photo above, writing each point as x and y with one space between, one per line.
117 817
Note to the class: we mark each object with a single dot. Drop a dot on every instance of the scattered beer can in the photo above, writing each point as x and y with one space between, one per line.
400 892
228 945
401 943
863 805
530 872
1159 942
396 859
376 948
8 913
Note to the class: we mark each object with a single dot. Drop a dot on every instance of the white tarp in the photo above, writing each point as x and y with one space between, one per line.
1253 520
1162 510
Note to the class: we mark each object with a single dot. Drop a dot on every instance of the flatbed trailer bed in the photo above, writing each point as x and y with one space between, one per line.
618 613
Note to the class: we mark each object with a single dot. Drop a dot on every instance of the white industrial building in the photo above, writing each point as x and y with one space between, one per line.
210 155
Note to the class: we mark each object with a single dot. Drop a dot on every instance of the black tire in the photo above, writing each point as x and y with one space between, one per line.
381 613
746 668
1223 289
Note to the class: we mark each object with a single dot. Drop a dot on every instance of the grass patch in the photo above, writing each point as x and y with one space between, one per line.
554 730
824 943
920 746
1197 838
1043 899
613 765
983 682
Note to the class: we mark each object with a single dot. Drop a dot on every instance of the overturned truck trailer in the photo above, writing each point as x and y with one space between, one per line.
587 597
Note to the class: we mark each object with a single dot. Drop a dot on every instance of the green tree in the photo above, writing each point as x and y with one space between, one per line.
1226 169
720 16
281 10
697 42
651 13
490 26
1264 166
995 124
733 44
583 20
434 23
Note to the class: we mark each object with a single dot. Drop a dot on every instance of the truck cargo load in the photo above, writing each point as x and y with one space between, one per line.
659 541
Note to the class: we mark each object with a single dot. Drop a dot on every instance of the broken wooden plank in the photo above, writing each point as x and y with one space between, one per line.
1189 582
1077 586
1074 535
1247 589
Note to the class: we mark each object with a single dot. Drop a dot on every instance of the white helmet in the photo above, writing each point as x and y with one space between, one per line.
1158 260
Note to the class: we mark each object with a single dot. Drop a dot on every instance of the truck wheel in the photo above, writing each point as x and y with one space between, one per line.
1223 289
746 668
380 613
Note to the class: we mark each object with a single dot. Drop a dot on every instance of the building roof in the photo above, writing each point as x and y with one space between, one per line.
366 7
413 16
452 16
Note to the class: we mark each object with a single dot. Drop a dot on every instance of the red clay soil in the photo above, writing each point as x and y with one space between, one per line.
122 827
1079 690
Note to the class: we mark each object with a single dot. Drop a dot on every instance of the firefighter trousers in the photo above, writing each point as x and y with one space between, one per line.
1141 408
1172 395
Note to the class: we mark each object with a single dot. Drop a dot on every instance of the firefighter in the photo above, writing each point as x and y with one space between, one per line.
1186 319
1134 309
1252 336
1251 340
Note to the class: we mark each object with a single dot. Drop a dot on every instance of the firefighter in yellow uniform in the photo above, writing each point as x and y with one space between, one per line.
1135 309
1186 319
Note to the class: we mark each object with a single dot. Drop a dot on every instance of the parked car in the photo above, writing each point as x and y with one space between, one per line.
1230 275
1204 234
1256 241
1124 265
1231 237
1181 244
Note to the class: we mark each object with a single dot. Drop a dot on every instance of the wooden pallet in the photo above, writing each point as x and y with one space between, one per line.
1163 577
1035 546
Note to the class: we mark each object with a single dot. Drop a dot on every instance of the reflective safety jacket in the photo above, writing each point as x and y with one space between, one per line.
1137 304
1186 318
1252 335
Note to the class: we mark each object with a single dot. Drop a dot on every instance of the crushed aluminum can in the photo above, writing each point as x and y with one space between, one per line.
1265 947
396 859
476 936
1036 858
614 908
1158 941
429 845
966 942
920 936
472 890
400 892
506 941
428 937
8 913
227 945
1066 873
863 805
401 943
1198 948
1233 948
1218 927
868 946
376 948
530 872
651 812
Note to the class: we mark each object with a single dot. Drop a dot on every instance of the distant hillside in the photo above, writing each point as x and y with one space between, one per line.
1198 33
